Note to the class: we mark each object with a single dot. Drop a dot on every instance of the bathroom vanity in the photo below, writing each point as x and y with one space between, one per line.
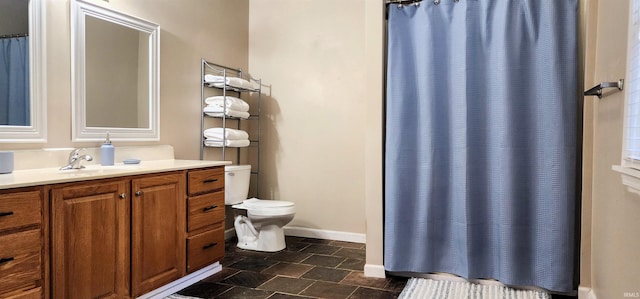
110 231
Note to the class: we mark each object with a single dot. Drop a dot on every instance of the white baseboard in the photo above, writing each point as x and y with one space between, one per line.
304 232
324 234
371 270
586 293
183 282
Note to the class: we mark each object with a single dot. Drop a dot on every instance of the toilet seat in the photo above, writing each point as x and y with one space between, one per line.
264 207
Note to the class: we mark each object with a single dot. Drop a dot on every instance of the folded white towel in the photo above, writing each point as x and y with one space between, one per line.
229 134
233 103
227 143
219 81
219 112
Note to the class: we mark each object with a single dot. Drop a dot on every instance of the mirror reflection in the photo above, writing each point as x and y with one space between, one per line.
15 106
115 60
117 80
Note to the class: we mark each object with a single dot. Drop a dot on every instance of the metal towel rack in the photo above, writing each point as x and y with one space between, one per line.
597 90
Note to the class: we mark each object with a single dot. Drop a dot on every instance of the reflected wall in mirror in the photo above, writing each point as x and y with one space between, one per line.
116 85
22 71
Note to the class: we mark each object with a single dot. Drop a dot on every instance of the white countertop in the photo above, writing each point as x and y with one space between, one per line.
46 176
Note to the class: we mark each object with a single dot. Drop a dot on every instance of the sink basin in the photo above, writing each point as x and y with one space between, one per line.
117 167
96 168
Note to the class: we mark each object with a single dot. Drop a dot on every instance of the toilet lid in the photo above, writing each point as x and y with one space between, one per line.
265 204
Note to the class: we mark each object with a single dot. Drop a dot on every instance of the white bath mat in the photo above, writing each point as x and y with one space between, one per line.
422 288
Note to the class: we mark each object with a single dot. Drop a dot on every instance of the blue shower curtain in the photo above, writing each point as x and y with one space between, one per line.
14 81
481 130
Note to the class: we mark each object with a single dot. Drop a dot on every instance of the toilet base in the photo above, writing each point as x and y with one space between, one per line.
270 238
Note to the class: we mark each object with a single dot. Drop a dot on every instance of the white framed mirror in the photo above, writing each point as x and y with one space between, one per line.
23 102
115 75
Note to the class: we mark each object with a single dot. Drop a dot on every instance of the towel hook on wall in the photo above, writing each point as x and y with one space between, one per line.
597 90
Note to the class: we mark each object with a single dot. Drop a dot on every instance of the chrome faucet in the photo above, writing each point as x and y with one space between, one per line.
75 158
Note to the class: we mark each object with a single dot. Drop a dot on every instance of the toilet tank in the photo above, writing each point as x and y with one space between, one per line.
236 183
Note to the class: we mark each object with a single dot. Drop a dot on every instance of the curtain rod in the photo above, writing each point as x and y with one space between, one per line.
402 2
14 35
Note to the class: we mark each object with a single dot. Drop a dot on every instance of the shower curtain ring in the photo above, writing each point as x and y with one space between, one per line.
436 2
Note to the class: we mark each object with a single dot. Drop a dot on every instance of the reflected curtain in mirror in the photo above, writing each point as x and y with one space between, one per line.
14 81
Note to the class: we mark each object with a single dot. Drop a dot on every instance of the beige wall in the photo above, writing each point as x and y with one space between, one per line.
315 113
614 266
214 29
323 113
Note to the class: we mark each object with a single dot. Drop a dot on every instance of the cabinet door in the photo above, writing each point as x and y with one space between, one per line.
90 224
158 231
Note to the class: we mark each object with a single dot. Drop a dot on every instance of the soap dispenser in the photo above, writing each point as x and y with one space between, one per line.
107 152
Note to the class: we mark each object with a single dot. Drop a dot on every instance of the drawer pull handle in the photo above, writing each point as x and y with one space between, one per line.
209 208
209 246
210 181
2 214
138 193
6 260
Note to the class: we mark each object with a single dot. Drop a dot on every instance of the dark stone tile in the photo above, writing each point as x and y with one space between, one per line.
316 241
230 259
352 264
293 239
347 244
367 293
224 273
323 260
396 284
253 264
288 269
352 253
290 256
323 289
286 296
357 278
286 285
253 254
247 279
204 290
326 274
320 249
245 293
296 246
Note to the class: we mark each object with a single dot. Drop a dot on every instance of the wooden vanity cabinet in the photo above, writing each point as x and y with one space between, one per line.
110 238
90 239
118 238
205 217
22 243
158 231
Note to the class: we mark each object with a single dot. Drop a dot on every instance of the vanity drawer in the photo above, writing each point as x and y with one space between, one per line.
205 210
207 180
35 293
20 260
20 209
204 249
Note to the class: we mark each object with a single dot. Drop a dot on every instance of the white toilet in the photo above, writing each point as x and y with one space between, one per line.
261 229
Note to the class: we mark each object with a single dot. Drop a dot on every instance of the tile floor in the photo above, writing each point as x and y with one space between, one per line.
307 268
